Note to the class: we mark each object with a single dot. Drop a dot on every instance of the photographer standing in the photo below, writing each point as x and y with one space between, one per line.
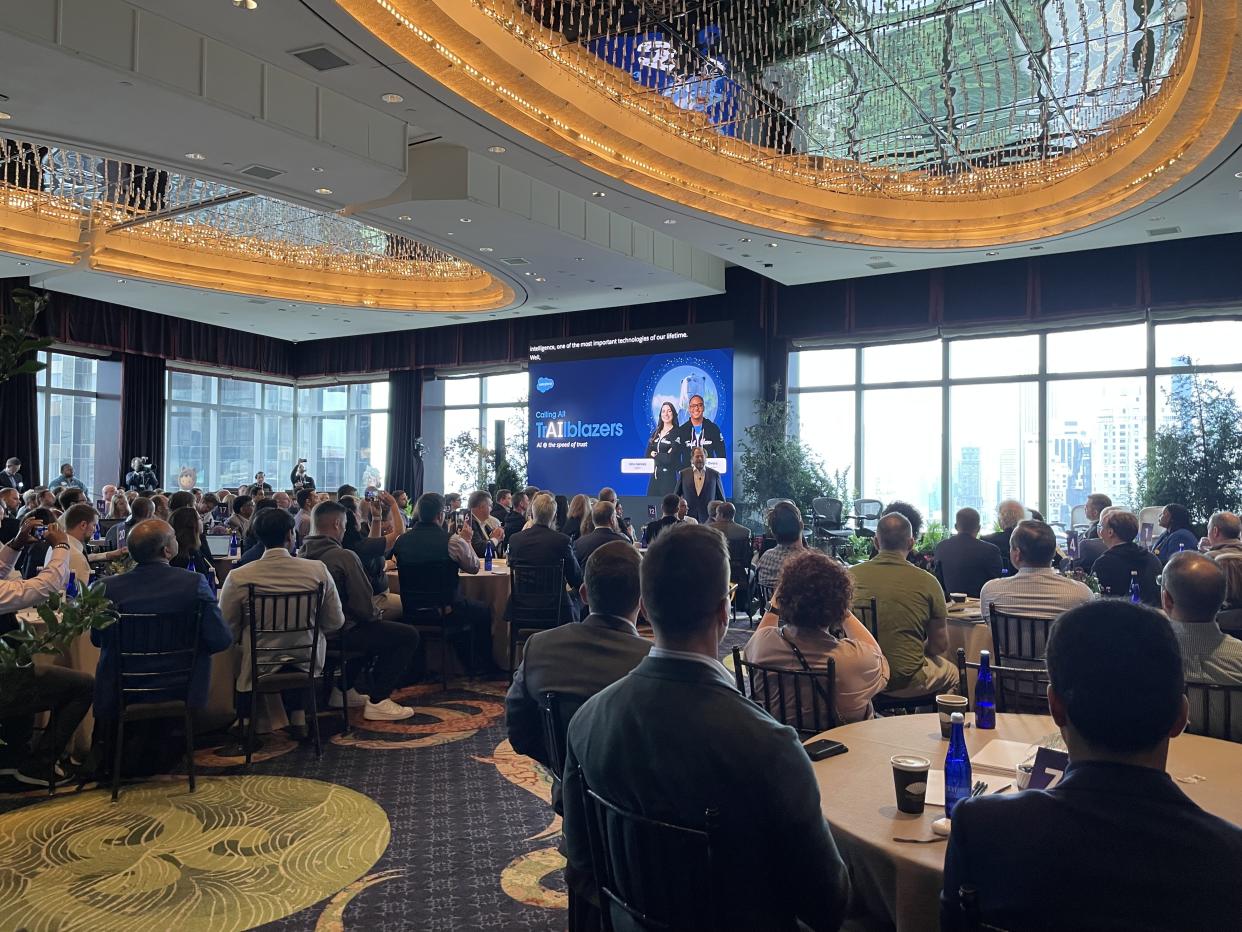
141 477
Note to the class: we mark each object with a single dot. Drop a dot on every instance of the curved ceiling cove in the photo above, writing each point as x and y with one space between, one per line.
165 226
923 123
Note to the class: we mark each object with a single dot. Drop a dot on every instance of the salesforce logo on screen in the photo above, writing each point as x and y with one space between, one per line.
544 384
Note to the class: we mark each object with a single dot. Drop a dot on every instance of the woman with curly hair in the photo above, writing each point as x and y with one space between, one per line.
809 621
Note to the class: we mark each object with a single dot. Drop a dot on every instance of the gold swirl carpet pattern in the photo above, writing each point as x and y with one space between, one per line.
240 852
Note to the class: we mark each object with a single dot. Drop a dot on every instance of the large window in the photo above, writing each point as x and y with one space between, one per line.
67 387
228 429
472 406
1046 418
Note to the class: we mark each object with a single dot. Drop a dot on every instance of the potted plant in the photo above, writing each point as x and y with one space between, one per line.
774 464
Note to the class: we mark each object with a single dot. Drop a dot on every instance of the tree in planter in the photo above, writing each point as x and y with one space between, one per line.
467 457
774 464
1196 458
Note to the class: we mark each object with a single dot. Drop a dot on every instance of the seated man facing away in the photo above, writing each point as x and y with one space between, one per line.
1113 568
539 545
278 571
515 520
669 506
810 621
785 523
388 646
675 738
1037 590
724 522
1115 844
577 661
910 613
139 510
963 562
609 494
1193 588
1008 514
604 524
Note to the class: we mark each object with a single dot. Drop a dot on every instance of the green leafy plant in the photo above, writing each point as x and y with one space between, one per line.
18 350
932 534
64 621
774 464
859 549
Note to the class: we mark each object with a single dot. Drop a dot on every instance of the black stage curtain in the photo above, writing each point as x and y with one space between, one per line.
405 424
19 425
142 411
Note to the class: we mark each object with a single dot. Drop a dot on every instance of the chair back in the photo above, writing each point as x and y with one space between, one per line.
650 873
1018 689
284 629
1019 639
538 591
827 513
867 513
805 700
428 586
765 596
557 709
155 655
1078 518
1215 710
867 613
773 502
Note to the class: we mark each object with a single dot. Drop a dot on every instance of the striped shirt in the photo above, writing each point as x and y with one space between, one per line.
1035 592
1208 654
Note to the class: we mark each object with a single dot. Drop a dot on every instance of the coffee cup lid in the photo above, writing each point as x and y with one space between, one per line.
911 763
952 699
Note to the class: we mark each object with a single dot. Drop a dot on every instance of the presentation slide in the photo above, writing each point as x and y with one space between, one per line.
628 410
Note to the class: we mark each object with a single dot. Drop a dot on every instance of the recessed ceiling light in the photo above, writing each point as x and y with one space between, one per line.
528 274
5 116
393 99
1155 218
316 168
23 263
669 221
992 252
486 249
579 258
540 278
120 281
773 245
323 190
404 217
497 150
1036 248
744 239
465 219
246 4
1237 174
195 156
599 194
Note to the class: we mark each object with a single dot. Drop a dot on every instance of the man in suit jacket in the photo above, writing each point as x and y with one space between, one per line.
11 476
515 520
539 545
668 507
727 526
1093 507
699 485
154 587
681 704
577 661
1091 837
604 523
963 562
1008 513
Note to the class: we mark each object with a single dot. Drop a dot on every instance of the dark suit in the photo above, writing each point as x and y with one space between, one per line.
963 563
732 530
710 439
500 512
11 482
160 588
1114 566
1000 540
1110 847
587 544
514 522
726 750
541 546
655 527
696 502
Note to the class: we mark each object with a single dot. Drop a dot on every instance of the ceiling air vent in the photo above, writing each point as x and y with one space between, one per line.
1164 231
321 58
545 307
516 260
258 301
458 317
262 171
882 264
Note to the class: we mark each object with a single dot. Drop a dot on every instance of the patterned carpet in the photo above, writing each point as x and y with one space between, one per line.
469 841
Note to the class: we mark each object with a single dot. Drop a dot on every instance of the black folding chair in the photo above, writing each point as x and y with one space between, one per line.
556 710
968 904
804 700
866 613
155 656
337 656
671 886
1018 689
284 638
427 594
742 574
534 603
1215 710
1019 640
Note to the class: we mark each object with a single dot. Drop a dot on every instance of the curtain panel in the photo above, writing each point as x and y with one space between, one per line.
142 410
405 425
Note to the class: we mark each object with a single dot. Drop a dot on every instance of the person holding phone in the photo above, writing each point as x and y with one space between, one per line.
664 449
483 527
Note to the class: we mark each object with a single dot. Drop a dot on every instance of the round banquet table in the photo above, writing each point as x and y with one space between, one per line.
968 630
899 884
492 589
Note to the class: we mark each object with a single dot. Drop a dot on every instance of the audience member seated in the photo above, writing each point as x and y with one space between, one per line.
155 587
785 523
65 693
428 544
680 704
910 613
483 526
577 514
963 562
118 506
367 536
577 661
1193 588
809 621
1115 844
609 494
1230 615
139 510
500 507
515 520
79 522
239 521
1036 590
160 504
188 528
10 504
1118 529
11 475
1224 534
307 499
915 517
539 545
277 571
724 522
452 502
389 646
349 491
67 479
668 517
1178 533
1093 507
604 531
1008 514
683 513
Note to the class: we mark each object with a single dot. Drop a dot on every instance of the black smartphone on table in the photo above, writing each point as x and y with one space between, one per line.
824 748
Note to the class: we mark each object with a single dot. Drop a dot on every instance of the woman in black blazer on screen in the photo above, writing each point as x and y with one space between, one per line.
665 450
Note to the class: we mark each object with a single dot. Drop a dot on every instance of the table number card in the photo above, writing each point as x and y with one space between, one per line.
1048 769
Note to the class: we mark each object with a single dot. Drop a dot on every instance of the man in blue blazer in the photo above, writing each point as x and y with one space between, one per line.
1115 844
154 587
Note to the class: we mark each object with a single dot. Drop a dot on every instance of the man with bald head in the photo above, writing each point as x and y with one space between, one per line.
1192 589
1224 534
154 587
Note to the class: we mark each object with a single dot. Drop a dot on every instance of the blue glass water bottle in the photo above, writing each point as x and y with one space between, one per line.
191 565
96 535
985 693
233 544
489 554
1136 595
71 587
957 777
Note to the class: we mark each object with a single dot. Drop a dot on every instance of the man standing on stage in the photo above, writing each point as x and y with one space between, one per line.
698 485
